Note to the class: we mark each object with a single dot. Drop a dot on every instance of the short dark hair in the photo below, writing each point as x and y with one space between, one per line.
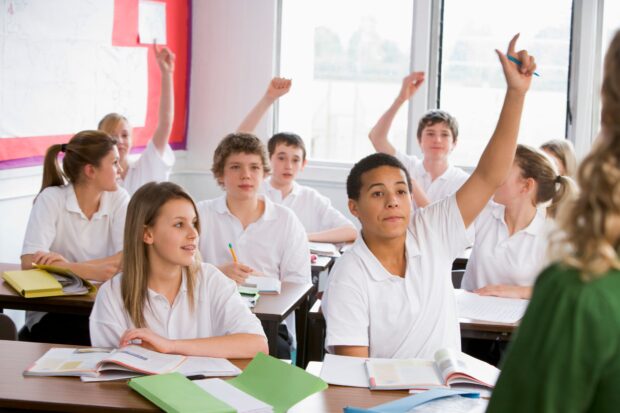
288 139
438 116
376 160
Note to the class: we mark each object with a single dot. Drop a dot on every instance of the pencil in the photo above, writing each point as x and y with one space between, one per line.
232 252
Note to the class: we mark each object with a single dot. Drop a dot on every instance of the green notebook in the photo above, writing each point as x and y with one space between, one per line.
174 393
277 383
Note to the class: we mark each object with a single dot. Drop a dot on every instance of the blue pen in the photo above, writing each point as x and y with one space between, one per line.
518 62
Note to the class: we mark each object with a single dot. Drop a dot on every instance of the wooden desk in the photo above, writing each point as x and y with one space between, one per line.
271 309
69 394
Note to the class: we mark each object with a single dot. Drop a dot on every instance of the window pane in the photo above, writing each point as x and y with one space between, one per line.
472 83
347 59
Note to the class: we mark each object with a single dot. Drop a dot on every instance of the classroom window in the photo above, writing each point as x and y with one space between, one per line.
347 59
471 84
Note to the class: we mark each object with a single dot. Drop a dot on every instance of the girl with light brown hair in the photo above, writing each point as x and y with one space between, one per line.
512 232
76 222
165 298
566 355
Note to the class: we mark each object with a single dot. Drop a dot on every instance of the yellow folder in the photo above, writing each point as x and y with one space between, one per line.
37 283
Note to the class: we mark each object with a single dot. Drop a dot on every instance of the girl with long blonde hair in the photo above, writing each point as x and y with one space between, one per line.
165 298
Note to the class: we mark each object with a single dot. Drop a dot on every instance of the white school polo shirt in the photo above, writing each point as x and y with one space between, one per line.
498 258
445 185
275 245
414 316
219 310
57 224
150 166
314 210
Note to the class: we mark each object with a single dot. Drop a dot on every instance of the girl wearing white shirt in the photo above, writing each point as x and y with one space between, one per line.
78 225
267 238
165 297
511 233
391 294
155 162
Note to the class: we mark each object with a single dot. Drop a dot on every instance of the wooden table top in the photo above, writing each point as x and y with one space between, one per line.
270 307
71 395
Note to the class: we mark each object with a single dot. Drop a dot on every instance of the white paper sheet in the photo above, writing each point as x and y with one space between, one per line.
239 400
344 371
152 22
493 309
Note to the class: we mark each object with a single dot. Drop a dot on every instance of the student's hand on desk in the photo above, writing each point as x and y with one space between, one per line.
47 258
149 340
236 271
411 84
506 291
278 87
165 59
518 77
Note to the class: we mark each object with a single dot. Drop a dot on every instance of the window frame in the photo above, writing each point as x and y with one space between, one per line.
427 20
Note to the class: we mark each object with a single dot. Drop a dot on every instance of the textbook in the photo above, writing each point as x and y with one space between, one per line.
47 281
324 248
448 368
267 384
264 284
103 364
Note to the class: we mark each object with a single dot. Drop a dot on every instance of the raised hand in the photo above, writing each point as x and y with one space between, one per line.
278 87
165 59
411 84
518 77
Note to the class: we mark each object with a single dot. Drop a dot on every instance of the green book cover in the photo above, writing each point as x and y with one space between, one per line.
174 393
277 383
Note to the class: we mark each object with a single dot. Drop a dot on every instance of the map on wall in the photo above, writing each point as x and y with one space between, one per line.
64 64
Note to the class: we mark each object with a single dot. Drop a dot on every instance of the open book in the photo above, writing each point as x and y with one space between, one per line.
449 367
100 364
47 281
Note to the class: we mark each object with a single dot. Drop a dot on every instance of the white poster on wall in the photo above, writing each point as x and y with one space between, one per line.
152 22
59 72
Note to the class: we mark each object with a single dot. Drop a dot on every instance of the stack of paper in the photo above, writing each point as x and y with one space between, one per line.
264 284
47 281
250 295
324 248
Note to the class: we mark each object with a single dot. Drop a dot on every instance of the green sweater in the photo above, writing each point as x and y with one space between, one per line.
566 354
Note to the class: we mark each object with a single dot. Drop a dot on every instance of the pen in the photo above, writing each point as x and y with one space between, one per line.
518 63
232 252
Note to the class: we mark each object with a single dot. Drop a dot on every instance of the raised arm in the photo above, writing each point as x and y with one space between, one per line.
499 153
165 61
379 133
278 87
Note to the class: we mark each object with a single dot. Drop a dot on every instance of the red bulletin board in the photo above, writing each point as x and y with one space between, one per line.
29 150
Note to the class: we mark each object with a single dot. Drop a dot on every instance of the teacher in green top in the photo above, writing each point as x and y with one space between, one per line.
566 354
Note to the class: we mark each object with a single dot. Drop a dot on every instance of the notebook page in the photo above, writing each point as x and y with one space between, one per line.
493 309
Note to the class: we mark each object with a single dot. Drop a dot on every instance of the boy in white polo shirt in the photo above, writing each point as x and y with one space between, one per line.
434 177
391 294
287 155
267 238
